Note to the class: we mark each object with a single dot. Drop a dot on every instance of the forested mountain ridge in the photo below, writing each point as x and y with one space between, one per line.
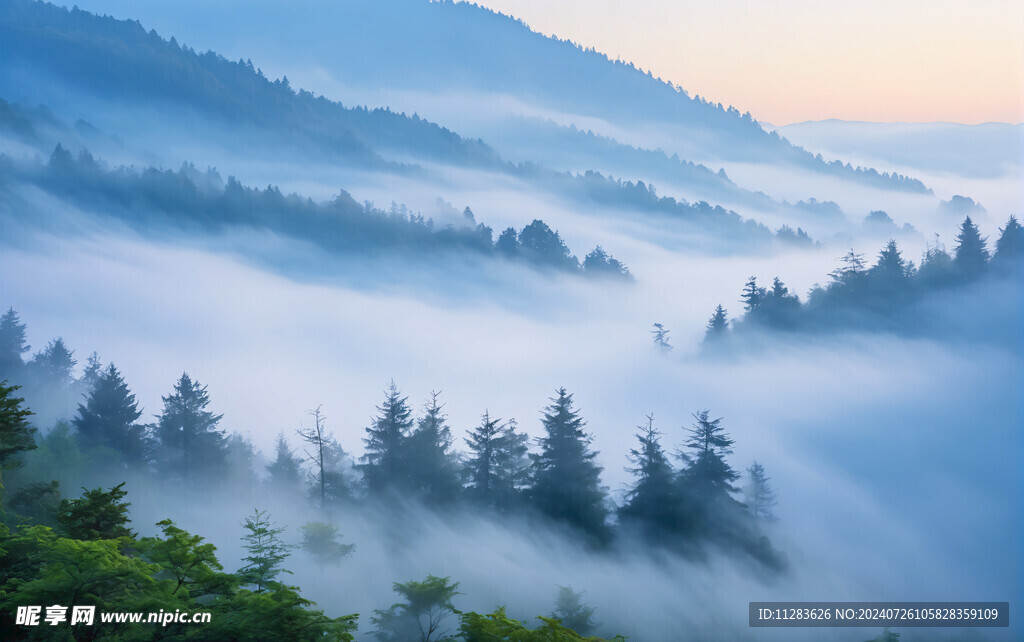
121 62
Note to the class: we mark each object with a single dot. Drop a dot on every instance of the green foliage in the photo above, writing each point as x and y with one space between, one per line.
266 552
572 612
186 560
423 613
36 503
321 541
499 626
277 614
16 435
12 344
97 515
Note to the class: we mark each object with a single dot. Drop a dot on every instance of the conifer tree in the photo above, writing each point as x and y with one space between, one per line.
481 468
98 514
971 256
511 467
91 374
718 326
752 295
708 477
431 466
661 338
12 344
566 481
652 503
191 444
16 434
384 461
890 266
265 552
1010 245
53 365
760 496
286 469
109 419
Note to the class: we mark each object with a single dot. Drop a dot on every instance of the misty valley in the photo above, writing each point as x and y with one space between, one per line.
400 320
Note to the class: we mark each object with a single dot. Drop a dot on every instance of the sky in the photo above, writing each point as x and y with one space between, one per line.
789 61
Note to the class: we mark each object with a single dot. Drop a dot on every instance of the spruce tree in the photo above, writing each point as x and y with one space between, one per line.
481 470
708 477
265 552
717 328
971 256
384 462
1010 245
431 466
511 467
53 365
652 504
286 469
752 295
192 446
566 481
91 374
759 493
12 345
16 434
109 419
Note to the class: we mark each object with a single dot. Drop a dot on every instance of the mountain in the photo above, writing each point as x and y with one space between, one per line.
465 65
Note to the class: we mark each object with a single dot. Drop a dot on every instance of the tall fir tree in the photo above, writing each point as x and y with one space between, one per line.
511 467
481 469
1010 245
192 446
759 494
384 460
16 433
708 478
265 552
717 328
92 373
12 345
109 419
432 469
971 256
52 367
285 472
566 480
652 504
752 295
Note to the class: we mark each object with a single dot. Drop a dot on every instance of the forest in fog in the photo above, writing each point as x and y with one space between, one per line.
400 320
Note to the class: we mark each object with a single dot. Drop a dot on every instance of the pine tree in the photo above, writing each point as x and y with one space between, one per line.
717 328
760 496
652 503
481 468
53 365
16 434
92 373
1010 245
12 345
109 419
851 273
708 477
286 469
566 482
191 445
384 462
431 466
661 338
971 256
890 265
752 295
511 467
266 552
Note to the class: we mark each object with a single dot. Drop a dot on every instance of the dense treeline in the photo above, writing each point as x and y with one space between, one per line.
189 200
407 457
62 556
50 542
885 296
